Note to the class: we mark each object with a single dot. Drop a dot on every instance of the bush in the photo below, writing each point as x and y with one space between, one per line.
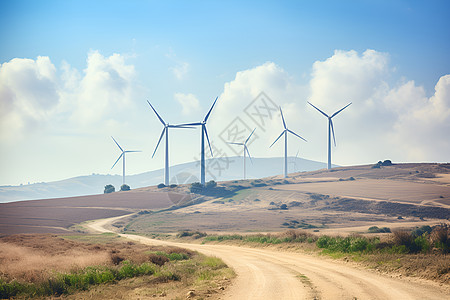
210 184
173 186
375 229
161 185
283 206
109 189
125 187
196 187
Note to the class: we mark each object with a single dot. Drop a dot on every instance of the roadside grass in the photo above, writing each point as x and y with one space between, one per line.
114 260
422 252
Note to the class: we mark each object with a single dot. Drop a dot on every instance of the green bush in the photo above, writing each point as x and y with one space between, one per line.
109 188
124 187
196 188
161 185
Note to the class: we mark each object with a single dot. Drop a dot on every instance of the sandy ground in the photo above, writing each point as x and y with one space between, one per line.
268 274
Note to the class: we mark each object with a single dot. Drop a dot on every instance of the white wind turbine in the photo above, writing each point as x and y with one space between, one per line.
166 132
204 132
122 155
330 129
285 132
294 162
245 148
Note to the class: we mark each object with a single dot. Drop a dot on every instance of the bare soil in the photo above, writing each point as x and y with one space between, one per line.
58 215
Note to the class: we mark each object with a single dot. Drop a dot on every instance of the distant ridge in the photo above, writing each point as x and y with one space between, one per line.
218 169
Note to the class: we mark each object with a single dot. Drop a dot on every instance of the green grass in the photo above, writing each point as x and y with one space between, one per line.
66 283
102 238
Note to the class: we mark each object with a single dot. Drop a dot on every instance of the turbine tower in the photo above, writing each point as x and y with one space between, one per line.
166 132
122 155
204 133
330 129
245 148
285 132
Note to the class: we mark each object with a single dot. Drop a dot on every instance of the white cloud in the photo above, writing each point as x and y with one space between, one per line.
28 94
399 123
34 94
189 103
180 70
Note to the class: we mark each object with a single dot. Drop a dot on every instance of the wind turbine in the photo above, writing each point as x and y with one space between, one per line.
330 129
204 132
245 148
166 132
294 162
285 132
122 155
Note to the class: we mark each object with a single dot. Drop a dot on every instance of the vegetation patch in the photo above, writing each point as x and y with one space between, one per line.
49 265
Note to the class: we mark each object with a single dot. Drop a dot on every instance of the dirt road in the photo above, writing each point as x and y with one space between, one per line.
268 274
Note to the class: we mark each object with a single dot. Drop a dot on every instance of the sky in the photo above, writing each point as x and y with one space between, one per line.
75 73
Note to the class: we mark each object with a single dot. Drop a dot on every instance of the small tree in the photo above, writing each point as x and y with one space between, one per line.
161 185
196 187
109 188
125 187
211 184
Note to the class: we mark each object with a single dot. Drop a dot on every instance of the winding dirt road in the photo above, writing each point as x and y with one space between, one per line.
268 274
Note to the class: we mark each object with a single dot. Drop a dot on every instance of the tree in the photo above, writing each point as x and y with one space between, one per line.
211 184
125 187
109 188
196 187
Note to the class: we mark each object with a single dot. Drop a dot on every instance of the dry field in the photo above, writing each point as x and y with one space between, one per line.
347 199
57 215
38 258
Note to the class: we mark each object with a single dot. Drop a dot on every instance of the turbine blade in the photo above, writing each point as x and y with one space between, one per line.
159 117
162 133
186 124
282 117
297 153
182 126
249 136
332 129
278 138
236 143
209 112
117 160
130 151
248 152
117 144
296 134
318 109
341 109
207 138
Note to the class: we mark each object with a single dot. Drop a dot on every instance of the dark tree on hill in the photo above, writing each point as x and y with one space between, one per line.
196 187
125 187
211 184
109 188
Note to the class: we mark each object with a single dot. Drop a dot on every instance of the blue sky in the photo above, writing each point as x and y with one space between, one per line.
171 51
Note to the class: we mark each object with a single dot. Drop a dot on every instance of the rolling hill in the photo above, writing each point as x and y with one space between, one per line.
218 169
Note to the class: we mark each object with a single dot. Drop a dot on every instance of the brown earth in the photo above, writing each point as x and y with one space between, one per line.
58 215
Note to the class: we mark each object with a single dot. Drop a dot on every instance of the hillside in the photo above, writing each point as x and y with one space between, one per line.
218 169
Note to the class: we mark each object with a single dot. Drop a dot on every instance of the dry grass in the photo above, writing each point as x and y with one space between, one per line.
37 259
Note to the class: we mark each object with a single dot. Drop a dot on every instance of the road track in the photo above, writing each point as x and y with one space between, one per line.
269 274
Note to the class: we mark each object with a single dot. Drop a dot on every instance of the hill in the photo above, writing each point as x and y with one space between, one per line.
218 169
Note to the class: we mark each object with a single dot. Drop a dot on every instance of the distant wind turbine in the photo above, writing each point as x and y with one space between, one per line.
285 132
330 129
166 132
122 155
294 162
204 132
245 148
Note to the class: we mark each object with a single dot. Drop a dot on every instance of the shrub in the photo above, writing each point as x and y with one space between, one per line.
109 188
440 237
375 229
283 206
210 184
196 187
125 187
173 186
161 185
421 230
